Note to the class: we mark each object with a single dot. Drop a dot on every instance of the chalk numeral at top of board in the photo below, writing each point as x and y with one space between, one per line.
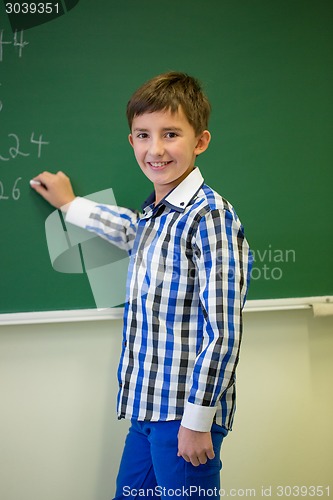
18 43
15 150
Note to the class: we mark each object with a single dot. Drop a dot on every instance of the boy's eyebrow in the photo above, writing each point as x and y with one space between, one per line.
164 129
176 129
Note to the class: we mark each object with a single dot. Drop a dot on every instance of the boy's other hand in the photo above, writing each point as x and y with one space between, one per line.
194 446
55 188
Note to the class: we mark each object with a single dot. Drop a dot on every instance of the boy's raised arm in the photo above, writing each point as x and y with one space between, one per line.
113 223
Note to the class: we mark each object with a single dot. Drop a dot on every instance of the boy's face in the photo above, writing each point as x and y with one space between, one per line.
165 146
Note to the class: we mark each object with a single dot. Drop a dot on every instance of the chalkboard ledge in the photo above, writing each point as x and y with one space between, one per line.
322 306
61 316
324 303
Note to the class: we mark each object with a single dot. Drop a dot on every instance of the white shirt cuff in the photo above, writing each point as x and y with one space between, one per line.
198 418
79 211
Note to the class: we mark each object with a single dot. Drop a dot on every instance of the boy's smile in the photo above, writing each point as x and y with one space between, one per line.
165 147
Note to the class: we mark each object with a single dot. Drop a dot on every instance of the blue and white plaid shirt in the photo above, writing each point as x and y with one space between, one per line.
187 283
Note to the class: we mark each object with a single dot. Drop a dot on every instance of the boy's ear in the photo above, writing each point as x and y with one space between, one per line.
202 142
130 139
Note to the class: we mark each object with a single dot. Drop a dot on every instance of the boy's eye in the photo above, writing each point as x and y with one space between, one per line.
142 135
171 135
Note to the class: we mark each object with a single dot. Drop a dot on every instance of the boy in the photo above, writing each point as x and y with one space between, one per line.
187 283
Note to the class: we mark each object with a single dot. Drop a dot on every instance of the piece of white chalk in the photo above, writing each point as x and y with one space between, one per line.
35 183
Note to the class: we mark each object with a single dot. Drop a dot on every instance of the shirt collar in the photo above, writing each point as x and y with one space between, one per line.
180 197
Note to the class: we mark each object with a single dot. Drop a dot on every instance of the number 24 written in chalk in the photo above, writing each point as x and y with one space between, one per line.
15 150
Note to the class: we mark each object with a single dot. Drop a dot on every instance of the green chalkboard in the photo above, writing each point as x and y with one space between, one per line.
267 68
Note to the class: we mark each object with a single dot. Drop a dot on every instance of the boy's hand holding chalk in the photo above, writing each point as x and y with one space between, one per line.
55 188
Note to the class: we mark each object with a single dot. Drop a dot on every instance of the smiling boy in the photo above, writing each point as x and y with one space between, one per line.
187 283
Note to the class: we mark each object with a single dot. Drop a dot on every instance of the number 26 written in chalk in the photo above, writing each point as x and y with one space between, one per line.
15 193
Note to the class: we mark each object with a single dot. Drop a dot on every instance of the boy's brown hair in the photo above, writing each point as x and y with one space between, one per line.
167 92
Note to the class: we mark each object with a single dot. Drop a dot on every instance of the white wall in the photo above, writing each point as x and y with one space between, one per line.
60 438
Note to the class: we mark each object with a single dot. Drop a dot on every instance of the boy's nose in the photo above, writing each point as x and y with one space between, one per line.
156 148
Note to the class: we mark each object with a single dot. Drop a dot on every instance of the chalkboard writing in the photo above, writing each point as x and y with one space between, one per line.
15 192
17 42
11 189
14 150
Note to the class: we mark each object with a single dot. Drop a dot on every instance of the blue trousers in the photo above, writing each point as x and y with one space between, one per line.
150 466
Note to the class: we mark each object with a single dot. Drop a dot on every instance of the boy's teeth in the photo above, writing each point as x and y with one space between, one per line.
159 164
